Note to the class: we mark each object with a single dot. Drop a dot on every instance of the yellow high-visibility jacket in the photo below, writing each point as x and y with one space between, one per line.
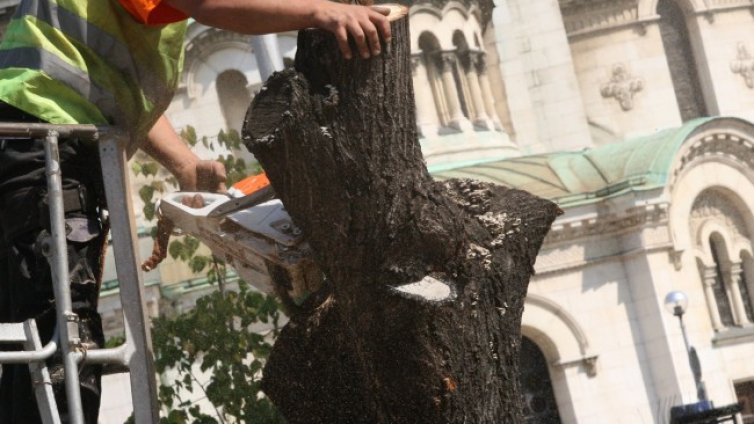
90 62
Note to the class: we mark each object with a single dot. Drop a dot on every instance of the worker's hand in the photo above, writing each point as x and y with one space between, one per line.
202 175
364 24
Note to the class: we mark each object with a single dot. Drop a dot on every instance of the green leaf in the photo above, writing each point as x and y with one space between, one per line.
150 168
146 193
189 135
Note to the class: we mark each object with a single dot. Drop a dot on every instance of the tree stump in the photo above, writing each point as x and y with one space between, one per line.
420 317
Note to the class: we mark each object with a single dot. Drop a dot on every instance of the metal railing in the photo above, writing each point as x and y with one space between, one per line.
136 352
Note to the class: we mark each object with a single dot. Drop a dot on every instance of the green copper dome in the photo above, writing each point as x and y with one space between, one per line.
572 178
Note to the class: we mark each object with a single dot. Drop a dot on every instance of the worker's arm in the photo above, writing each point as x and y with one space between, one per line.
193 174
363 23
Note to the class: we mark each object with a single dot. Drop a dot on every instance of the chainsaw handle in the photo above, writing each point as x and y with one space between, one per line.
211 201
185 217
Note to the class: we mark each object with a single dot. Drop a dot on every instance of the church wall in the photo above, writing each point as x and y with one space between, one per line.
499 87
600 300
543 96
198 105
728 48
613 284
651 278
634 65
724 359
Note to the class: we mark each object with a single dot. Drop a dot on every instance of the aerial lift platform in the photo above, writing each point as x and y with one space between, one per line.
281 244
250 230
136 353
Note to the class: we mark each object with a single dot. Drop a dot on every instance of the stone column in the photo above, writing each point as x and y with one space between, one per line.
484 82
426 112
447 61
709 279
734 281
480 116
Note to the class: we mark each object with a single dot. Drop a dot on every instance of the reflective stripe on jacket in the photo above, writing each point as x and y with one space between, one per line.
89 62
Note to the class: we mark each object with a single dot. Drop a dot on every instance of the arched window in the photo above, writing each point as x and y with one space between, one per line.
683 69
536 387
719 220
459 68
721 287
431 61
234 98
746 283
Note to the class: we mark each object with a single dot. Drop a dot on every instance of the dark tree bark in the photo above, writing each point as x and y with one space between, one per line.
338 140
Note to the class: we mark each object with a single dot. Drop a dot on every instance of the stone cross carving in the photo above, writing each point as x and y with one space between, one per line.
622 86
744 65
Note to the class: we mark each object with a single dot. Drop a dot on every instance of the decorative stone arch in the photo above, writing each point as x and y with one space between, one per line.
565 346
460 7
453 16
745 252
453 90
712 229
717 155
424 18
557 333
648 8
721 237
717 160
212 52
457 17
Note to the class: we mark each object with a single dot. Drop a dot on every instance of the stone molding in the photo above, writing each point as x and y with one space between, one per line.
561 248
733 336
713 6
585 16
572 344
483 10
634 218
727 4
743 65
622 87
722 144
714 206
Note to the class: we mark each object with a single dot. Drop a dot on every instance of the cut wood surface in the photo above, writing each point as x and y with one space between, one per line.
419 321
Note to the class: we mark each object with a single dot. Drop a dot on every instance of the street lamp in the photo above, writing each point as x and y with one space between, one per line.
676 303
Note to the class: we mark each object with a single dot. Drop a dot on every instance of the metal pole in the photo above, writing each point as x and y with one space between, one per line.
27 357
138 350
57 254
35 130
40 377
696 370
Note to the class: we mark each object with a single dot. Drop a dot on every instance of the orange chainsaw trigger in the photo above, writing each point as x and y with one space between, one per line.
252 184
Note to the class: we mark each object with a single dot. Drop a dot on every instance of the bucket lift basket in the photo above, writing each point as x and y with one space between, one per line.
136 353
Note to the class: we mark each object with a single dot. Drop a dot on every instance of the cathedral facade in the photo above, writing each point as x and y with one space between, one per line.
635 116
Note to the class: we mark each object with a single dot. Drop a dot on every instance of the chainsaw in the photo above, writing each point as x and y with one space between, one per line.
250 230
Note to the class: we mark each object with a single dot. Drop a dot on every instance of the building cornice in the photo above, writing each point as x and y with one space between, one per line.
586 16
726 145
484 7
610 225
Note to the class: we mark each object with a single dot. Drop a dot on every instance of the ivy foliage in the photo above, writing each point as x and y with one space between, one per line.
217 337
215 351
